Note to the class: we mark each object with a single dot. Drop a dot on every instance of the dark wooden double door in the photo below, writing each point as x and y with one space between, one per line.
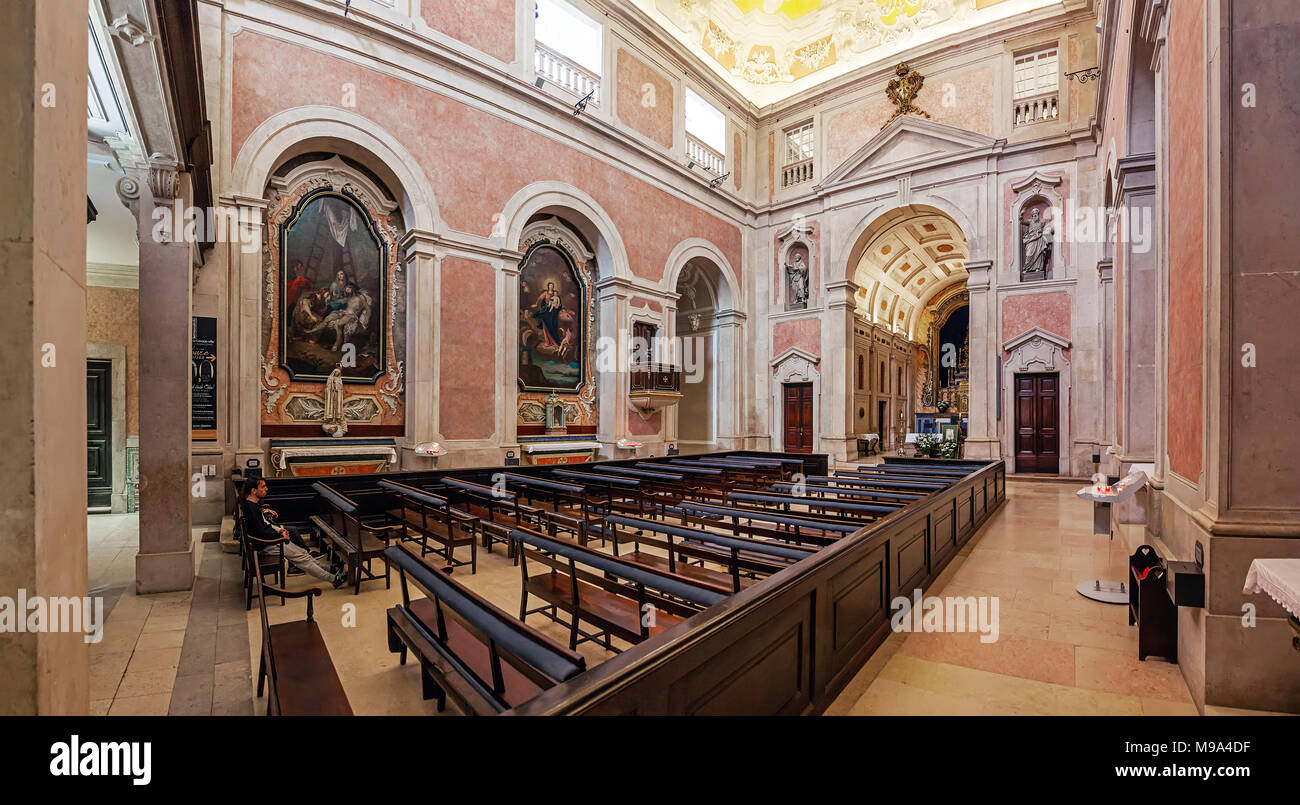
99 433
797 417
1038 434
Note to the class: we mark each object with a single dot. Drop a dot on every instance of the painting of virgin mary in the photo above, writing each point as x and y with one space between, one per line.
551 328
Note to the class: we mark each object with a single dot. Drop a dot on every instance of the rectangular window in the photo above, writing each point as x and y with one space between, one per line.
569 47
1036 73
798 159
706 133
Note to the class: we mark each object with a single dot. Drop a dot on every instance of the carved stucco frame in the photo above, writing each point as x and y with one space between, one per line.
1037 351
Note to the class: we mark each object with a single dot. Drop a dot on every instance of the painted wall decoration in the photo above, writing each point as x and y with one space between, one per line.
333 297
551 322
332 277
557 332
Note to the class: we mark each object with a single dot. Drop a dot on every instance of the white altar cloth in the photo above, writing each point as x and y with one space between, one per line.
1277 578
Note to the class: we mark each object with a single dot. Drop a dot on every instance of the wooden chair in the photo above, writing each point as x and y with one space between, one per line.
470 650
296 671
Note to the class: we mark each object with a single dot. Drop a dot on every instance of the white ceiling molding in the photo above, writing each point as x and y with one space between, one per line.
104 275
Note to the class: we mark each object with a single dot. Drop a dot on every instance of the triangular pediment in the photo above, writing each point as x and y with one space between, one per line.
1032 333
909 143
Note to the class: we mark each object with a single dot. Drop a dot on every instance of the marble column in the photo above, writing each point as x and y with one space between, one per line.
43 319
166 558
246 328
835 423
422 271
982 439
612 297
728 360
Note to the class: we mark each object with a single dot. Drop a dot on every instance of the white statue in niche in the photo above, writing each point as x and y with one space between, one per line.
335 422
797 274
1036 242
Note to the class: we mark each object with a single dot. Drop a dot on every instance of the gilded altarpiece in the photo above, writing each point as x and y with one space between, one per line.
333 298
557 334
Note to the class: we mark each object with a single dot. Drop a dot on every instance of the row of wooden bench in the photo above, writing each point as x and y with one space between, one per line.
463 640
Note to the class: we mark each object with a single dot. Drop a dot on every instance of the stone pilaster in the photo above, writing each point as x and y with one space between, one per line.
982 439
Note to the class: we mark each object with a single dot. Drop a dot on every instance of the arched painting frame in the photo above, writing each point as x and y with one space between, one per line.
553 304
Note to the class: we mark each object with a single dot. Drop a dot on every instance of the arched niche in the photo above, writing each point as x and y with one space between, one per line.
1033 218
557 330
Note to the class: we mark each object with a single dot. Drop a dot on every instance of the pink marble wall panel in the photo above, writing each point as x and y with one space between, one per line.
113 317
1186 237
849 130
806 334
474 160
1050 311
467 376
641 301
645 427
486 25
971 96
644 100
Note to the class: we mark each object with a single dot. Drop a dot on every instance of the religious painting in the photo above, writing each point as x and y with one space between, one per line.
333 267
552 325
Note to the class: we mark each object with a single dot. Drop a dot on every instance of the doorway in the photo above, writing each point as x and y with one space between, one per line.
99 434
882 421
798 417
1037 441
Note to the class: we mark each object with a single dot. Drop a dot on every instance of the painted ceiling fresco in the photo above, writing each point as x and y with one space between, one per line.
772 49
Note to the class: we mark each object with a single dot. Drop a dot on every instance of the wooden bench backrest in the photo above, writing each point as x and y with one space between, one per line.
594 568
508 639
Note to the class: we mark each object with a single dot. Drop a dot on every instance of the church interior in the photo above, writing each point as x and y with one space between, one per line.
658 357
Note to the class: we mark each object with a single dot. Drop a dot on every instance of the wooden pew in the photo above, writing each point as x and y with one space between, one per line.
895 469
869 511
745 559
620 598
769 524
750 476
343 529
857 483
489 504
710 482
625 494
822 490
659 488
296 671
573 506
469 649
881 482
432 517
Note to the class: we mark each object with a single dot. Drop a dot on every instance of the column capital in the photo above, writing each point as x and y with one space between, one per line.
841 293
979 272
729 318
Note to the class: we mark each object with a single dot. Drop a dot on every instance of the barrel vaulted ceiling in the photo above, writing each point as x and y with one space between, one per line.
769 50
905 265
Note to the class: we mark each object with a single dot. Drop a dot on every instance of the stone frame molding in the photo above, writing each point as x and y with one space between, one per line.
795 365
1037 351
1038 185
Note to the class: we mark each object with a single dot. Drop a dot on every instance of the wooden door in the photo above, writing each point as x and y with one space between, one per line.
1037 424
99 433
798 417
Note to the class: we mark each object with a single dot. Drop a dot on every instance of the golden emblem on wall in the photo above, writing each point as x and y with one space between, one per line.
902 91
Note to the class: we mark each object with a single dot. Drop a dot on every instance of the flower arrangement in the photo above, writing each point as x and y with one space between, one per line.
948 449
926 444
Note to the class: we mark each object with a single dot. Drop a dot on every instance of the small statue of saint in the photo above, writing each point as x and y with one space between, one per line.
335 422
797 275
1036 242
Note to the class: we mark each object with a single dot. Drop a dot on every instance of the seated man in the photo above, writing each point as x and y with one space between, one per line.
255 521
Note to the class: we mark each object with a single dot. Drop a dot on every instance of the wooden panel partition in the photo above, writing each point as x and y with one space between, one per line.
790 643
787 644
